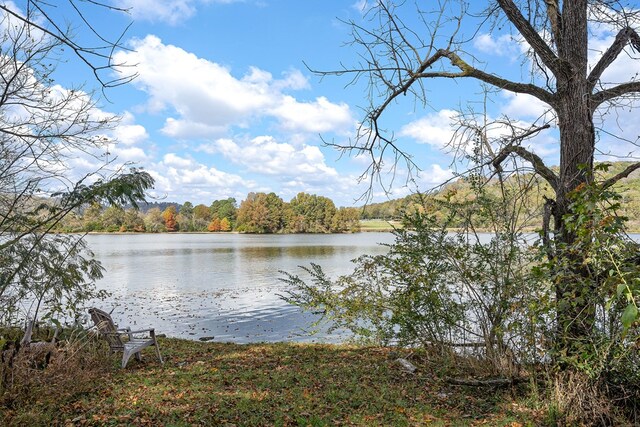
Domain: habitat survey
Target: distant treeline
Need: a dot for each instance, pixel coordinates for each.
(309, 213)
(258, 213)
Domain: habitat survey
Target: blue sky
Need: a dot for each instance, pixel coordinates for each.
(224, 105)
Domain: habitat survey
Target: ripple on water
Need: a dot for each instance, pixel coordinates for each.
(225, 286)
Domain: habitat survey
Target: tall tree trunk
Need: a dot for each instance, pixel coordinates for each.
(575, 305)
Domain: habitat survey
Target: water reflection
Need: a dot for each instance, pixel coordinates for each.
(292, 251)
(202, 285)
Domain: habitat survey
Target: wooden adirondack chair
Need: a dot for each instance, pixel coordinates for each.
(130, 345)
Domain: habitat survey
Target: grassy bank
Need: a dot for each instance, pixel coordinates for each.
(264, 385)
(378, 225)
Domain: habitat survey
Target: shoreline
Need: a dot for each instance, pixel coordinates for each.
(371, 230)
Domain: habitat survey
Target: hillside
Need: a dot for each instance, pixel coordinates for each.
(628, 188)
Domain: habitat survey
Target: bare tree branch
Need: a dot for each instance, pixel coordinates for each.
(623, 37)
(625, 173)
(540, 47)
(499, 82)
(553, 13)
(537, 162)
(614, 92)
(97, 58)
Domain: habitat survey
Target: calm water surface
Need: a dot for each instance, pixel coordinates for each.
(220, 285)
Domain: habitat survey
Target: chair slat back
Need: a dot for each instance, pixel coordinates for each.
(104, 323)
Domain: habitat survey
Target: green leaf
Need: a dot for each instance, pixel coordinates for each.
(621, 288)
(629, 315)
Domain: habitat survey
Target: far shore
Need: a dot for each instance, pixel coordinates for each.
(378, 227)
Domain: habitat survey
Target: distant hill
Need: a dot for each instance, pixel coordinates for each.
(146, 206)
(628, 188)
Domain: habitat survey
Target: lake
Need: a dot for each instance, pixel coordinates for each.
(220, 285)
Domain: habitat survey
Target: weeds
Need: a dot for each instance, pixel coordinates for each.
(38, 378)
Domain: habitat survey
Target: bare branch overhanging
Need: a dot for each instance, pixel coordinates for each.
(98, 58)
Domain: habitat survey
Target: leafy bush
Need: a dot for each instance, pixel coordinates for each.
(437, 287)
(499, 294)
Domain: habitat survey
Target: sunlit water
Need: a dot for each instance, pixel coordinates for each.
(220, 285)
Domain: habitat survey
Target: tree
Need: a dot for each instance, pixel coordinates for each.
(153, 221)
(92, 217)
(169, 217)
(399, 61)
(224, 209)
(261, 213)
(346, 219)
(185, 217)
(225, 224)
(201, 217)
(113, 218)
(42, 126)
(214, 225)
(312, 213)
(133, 221)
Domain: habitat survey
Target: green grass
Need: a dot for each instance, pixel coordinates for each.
(378, 225)
(272, 385)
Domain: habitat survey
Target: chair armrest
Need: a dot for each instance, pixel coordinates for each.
(152, 330)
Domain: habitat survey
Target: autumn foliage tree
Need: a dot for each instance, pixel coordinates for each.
(214, 225)
(310, 213)
(225, 224)
(201, 217)
(169, 217)
(261, 213)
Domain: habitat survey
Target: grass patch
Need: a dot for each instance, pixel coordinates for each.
(272, 385)
(378, 225)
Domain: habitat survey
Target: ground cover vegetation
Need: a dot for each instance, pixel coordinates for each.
(562, 308)
(252, 385)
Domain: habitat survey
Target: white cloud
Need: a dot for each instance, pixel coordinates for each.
(130, 154)
(317, 117)
(361, 5)
(293, 79)
(523, 106)
(173, 160)
(266, 156)
(427, 179)
(187, 179)
(207, 99)
(433, 129)
(503, 45)
(185, 130)
(171, 12)
(127, 132)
